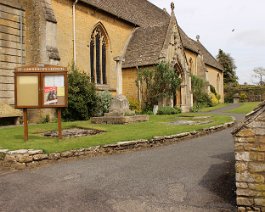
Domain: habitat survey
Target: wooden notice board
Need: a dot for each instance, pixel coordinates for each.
(41, 86)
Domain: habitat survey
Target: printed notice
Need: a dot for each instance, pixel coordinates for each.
(60, 91)
(54, 80)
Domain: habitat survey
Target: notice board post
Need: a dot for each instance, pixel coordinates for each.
(40, 87)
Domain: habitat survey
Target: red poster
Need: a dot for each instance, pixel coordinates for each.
(50, 95)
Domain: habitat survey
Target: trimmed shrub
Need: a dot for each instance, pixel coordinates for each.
(103, 101)
(168, 110)
(82, 98)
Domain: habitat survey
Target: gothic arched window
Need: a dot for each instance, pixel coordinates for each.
(98, 56)
(218, 84)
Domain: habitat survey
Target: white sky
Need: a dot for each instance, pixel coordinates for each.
(214, 21)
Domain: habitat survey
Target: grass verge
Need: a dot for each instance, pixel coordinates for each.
(244, 108)
(208, 109)
(12, 138)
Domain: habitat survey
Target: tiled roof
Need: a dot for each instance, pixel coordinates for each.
(140, 12)
(146, 43)
(145, 46)
(208, 58)
(188, 43)
(196, 46)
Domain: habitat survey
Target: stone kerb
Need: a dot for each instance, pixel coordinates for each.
(250, 165)
(21, 159)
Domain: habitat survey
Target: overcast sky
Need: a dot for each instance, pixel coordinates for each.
(236, 26)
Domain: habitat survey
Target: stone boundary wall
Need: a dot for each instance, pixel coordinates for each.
(250, 164)
(21, 159)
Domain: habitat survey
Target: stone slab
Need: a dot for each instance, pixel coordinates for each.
(119, 119)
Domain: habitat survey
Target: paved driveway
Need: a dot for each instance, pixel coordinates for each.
(194, 175)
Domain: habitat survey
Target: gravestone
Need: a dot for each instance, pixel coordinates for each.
(119, 112)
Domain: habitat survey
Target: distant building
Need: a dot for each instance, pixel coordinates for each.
(93, 33)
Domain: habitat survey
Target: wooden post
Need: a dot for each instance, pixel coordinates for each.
(60, 136)
(25, 121)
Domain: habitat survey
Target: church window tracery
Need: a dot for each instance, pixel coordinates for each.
(98, 56)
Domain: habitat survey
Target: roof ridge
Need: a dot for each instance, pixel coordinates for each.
(217, 65)
(158, 8)
(205, 49)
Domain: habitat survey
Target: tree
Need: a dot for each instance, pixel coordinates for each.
(200, 96)
(259, 73)
(166, 81)
(229, 66)
(157, 83)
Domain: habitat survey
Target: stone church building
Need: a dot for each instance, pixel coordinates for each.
(107, 39)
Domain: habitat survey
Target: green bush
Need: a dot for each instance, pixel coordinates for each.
(157, 83)
(134, 105)
(168, 110)
(148, 112)
(200, 97)
(195, 108)
(82, 98)
(103, 102)
(243, 97)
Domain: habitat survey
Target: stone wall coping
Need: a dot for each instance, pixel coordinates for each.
(23, 158)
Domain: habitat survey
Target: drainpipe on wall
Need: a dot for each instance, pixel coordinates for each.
(139, 90)
(21, 35)
(74, 32)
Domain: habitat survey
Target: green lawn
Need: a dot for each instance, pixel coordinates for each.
(12, 137)
(244, 108)
(208, 109)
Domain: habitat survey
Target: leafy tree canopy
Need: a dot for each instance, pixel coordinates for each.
(157, 83)
(228, 63)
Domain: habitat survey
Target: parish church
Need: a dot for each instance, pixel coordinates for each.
(110, 40)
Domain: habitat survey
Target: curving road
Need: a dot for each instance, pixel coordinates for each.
(195, 175)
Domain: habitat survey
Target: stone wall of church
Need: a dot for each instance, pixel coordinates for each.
(216, 81)
(130, 90)
(29, 44)
(12, 22)
(20, 38)
(87, 18)
(192, 61)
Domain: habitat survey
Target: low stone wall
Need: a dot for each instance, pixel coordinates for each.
(250, 169)
(250, 161)
(21, 159)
